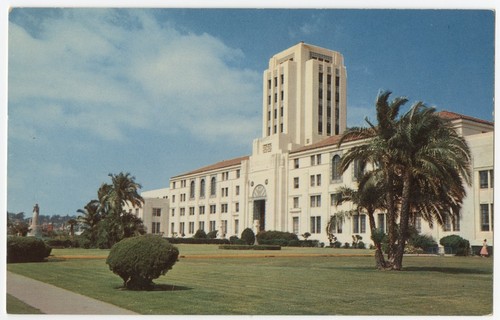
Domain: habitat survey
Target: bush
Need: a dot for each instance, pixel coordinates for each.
(422, 241)
(249, 247)
(459, 245)
(361, 245)
(200, 234)
(139, 260)
(197, 241)
(248, 236)
(336, 244)
(273, 235)
(346, 245)
(212, 234)
(26, 249)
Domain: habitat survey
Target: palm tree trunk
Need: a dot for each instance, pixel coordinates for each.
(380, 262)
(403, 222)
(391, 218)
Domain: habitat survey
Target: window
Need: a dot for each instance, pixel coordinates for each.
(483, 179)
(236, 226)
(418, 224)
(213, 208)
(313, 160)
(223, 208)
(156, 212)
(238, 173)
(224, 192)
(201, 225)
(212, 226)
(225, 176)
(183, 197)
(357, 169)
(336, 225)
(381, 222)
(181, 229)
(191, 228)
(316, 224)
(296, 202)
(155, 227)
(237, 207)
(295, 223)
(447, 223)
(315, 201)
(359, 223)
(172, 225)
(296, 163)
(296, 183)
(183, 183)
(183, 212)
(485, 217)
(173, 185)
(455, 223)
(336, 174)
(282, 79)
(212, 187)
(313, 180)
(191, 190)
(335, 198)
(173, 198)
(201, 210)
(318, 180)
(269, 83)
(202, 188)
(173, 212)
(237, 190)
(318, 159)
(191, 211)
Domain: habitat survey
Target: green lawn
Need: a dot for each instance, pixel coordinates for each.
(285, 285)
(16, 306)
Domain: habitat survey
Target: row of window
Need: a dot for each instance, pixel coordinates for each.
(213, 190)
(224, 177)
(224, 208)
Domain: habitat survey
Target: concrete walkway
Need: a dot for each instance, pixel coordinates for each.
(50, 299)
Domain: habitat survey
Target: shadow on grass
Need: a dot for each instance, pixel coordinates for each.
(446, 270)
(159, 287)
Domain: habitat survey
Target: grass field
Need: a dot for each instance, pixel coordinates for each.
(281, 284)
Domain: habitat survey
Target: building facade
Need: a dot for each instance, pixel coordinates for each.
(290, 181)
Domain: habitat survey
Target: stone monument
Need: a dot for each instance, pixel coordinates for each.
(35, 227)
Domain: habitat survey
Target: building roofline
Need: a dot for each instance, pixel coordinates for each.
(449, 115)
(215, 166)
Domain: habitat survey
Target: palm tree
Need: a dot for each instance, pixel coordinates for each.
(90, 219)
(368, 197)
(433, 160)
(113, 197)
(378, 150)
(122, 190)
(72, 223)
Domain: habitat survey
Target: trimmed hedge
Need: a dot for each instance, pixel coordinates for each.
(139, 260)
(248, 236)
(197, 241)
(26, 249)
(249, 247)
(276, 235)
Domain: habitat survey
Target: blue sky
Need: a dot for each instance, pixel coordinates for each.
(158, 92)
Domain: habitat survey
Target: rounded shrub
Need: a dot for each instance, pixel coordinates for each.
(26, 249)
(139, 260)
(200, 234)
(212, 234)
(459, 245)
(248, 236)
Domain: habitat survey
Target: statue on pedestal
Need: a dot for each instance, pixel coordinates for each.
(35, 228)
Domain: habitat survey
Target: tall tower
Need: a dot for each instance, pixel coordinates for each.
(304, 95)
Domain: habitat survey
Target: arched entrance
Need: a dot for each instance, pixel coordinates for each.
(259, 207)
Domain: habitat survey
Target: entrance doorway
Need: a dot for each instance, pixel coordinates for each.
(259, 213)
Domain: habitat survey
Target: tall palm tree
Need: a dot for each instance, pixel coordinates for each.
(113, 197)
(431, 154)
(379, 150)
(90, 219)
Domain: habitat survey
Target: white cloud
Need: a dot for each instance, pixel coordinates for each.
(105, 71)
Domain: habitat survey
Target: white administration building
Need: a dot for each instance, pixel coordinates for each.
(289, 181)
